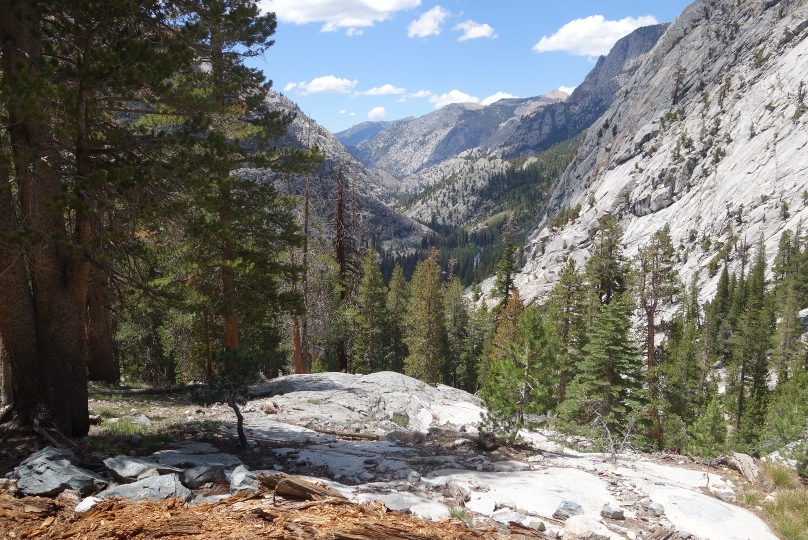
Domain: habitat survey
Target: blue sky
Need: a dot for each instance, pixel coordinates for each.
(347, 61)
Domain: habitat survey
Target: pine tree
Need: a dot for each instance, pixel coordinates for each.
(397, 301)
(789, 350)
(748, 388)
(566, 310)
(371, 322)
(425, 327)
(707, 436)
(506, 334)
(656, 283)
(477, 347)
(608, 388)
(606, 269)
(507, 266)
(455, 309)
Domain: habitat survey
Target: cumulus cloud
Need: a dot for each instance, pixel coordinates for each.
(428, 24)
(322, 85)
(386, 90)
(353, 114)
(591, 36)
(455, 96)
(377, 113)
(567, 89)
(342, 111)
(421, 94)
(496, 97)
(474, 30)
(336, 14)
(353, 31)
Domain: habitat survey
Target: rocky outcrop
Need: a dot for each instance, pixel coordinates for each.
(707, 137)
(51, 471)
(154, 488)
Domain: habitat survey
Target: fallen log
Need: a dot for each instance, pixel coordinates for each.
(294, 486)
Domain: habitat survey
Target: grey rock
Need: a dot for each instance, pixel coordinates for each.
(156, 488)
(142, 420)
(52, 471)
(242, 479)
(653, 509)
(567, 509)
(367, 476)
(202, 474)
(610, 511)
(585, 528)
(128, 469)
(537, 525)
(460, 493)
(413, 476)
(136, 439)
(726, 495)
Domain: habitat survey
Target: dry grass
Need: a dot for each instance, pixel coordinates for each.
(782, 477)
(789, 514)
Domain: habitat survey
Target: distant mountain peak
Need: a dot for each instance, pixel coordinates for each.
(557, 95)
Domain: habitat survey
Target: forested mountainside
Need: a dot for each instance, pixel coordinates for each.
(368, 188)
(708, 138)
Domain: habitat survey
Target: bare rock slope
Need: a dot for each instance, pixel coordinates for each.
(708, 137)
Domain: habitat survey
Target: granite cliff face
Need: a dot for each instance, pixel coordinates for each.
(709, 137)
(368, 187)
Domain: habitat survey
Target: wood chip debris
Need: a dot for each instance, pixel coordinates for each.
(275, 512)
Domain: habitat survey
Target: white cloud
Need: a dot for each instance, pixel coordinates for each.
(421, 94)
(496, 97)
(377, 113)
(592, 36)
(455, 96)
(429, 23)
(336, 14)
(353, 31)
(474, 30)
(567, 89)
(342, 111)
(353, 114)
(322, 85)
(386, 90)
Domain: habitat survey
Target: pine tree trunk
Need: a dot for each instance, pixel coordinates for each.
(41, 322)
(6, 394)
(101, 365)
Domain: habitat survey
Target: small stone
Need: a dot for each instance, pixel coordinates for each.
(142, 420)
(655, 509)
(413, 476)
(568, 509)
(197, 476)
(382, 468)
(86, 505)
(585, 528)
(367, 476)
(535, 459)
(610, 511)
(136, 439)
(537, 526)
(243, 479)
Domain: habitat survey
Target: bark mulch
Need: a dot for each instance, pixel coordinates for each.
(286, 507)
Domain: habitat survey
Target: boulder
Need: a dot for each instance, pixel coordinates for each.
(568, 509)
(243, 479)
(128, 469)
(610, 511)
(156, 488)
(142, 420)
(51, 471)
(202, 474)
(585, 528)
